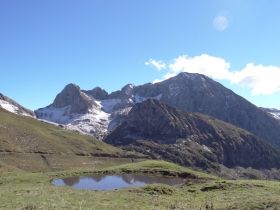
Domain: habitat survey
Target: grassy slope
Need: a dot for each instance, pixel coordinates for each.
(27, 135)
(21, 134)
(22, 190)
(31, 145)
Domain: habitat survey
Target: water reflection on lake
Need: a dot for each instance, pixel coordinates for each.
(115, 181)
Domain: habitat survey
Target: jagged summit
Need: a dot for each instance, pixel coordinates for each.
(98, 93)
(75, 110)
(12, 106)
(72, 96)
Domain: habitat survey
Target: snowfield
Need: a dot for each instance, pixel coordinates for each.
(95, 122)
(11, 108)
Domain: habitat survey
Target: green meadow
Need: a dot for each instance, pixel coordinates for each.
(34, 153)
(26, 190)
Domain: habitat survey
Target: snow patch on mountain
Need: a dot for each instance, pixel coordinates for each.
(9, 107)
(276, 115)
(99, 120)
(139, 99)
(274, 112)
(94, 122)
(129, 89)
(117, 117)
(12, 108)
(58, 115)
(108, 105)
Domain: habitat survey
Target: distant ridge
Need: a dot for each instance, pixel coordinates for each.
(95, 112)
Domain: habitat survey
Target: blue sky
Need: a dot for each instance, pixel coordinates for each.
(44, 45)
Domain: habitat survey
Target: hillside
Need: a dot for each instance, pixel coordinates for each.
(33, 145)
(27, 135)
(191, 139)
(12, 106)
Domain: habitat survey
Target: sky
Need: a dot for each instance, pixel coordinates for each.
(45, 45)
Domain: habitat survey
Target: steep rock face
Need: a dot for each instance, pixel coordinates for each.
(72, 96)
(124, 98)
(75, 110)
(12, 106)
(98, 93)
(226, 144)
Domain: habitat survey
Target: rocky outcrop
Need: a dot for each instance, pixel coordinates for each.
(200, 137)
(14, 107)
(74, 110)
(98, 93)
(72, 96)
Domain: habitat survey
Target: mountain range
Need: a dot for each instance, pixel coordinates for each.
(189, 119)
(96, 112)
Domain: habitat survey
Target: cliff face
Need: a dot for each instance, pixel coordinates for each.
(98, 93)
(199, 137)
(72, 96)
(75, 110)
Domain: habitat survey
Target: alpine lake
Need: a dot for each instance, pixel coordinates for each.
(103, 182)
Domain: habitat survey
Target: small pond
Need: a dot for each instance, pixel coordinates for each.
(114, 181)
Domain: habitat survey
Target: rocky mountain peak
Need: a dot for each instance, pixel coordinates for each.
(156, 121)
(72, 96)
(98, 93)
(126, 92)
(193, 82)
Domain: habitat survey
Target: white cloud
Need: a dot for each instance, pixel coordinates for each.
(166, 76)
(157, 80)
(158, 64)
(261, 79)
(204, 64)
